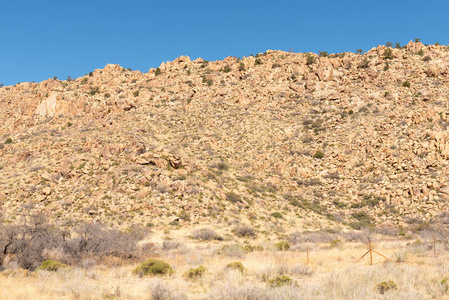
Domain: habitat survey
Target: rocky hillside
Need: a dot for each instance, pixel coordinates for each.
(279, 140)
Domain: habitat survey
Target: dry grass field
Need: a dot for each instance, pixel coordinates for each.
(332, 272)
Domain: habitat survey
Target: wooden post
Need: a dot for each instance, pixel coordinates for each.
(178, 257)
(371, 253)
(434, 246)
(307, 254)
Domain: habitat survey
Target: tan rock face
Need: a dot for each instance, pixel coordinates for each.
(349, 132)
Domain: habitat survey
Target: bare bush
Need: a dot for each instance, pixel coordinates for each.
(244, 231)
(206, 234)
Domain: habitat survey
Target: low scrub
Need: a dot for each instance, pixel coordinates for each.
(282, 246)
(385, 286)
(51, 265)
(195, 272)
(280, 281)
(153, 267)
(236, 266)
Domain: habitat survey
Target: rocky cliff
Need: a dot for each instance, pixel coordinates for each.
(277, 139)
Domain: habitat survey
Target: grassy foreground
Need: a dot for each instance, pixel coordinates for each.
(414, 273)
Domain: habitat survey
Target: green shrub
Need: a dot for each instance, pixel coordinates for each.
(51, 265)
(236, 266)
(318, 154)
(250, 248)
(8, 141)
(310, 60)
(385, 286)
(158, 71)
(323, 53)
(258, 61)
(136, 93)
(195, 273)
(282, 246)
(153, 267)
(421, 52)
(406, 84)
(280, 281)
(233, 197)
(388, 54)
(242, 67)
(336, 243)
(226, 69)
(276, 215)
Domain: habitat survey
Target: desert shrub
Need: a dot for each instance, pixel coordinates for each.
(184, 216)
(421, 52)
(236, 266)
(168, 245)
(158, 71)
(258, 61)
(400, 256)
(427, 58)
(51, 265)
(233, 197)
(310, 60)
(162, 290)
(336, 244)
(385, 286)
(388, 53)
(232, 251)
(276, 215)
(282, 246)
(363, 220)
(244, 231)
(195, 272)
(406, 84)
(153, 267)
(318, 154)
(8, 141)
(251, 248)
(242, 67)
(364, 64)
(323, 53)
(136, 93)
(206, 234)
(226, 69)
(275, 65)
(301, 270)
(280, 281)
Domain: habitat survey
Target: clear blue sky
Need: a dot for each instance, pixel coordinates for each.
(42, 39)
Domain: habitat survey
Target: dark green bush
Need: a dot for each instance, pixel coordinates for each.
(51, 265)
(195, 273)
(153, 267)
(276, 215)
(310, 60)
(406, 84)
(158, 71)
(388, 54)
(280, 281)
(136, 93)
(318, 154)
(258, 61)
(8, 141)
(236, 266)
(282, 246)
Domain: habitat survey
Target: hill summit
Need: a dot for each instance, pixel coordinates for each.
(278, 140)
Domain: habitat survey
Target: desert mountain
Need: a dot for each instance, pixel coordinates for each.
(277, 139)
